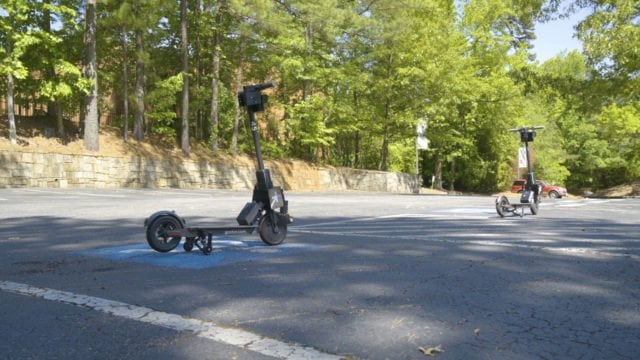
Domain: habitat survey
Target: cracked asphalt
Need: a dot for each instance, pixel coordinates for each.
(361, 276)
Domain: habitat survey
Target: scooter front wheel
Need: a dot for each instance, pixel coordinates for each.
(267, 232)
(157, 233)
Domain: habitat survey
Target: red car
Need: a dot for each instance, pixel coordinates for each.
(552, 191)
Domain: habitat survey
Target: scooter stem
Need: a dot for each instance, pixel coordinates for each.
(256, 138)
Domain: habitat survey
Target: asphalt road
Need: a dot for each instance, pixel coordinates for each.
(360, 276)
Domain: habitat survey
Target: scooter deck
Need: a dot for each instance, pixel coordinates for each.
(206, 231)
(517, 205)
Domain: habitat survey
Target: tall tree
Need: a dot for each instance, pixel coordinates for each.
(117, 21)
(239, 77)
(121, 19)
(308, 33)
(52, 75)
(61, 83)
(184, 142)
(10, 106)
(15, 38)
(610, 34)
(138, 124)
(125, 82)
(214, 114)
(91, 123)
(141, 58)
(50, 71)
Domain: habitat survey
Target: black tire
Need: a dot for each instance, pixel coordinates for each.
(156, 233)
(502, 204)
(553, 194)
(266, 232)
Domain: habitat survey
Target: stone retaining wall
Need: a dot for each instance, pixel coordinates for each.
(32, 169)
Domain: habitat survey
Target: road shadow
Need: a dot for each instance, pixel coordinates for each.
(372, 288)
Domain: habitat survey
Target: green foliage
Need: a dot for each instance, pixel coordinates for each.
(16, 36)
(608, 33)
(402, 156)
(163, 114)
(307, 119)
(67, 82)
(355, 77)
(621, 125)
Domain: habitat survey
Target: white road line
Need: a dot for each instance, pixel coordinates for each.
(205, 329)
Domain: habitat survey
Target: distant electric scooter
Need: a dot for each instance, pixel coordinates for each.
(531, 195)
(267, 212)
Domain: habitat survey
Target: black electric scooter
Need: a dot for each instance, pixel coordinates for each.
(531, 195)
(267, 212)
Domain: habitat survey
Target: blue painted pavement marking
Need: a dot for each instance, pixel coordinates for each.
(225, 251)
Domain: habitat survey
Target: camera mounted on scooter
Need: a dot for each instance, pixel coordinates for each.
(527, 133)
(527, 136)
(252, 97)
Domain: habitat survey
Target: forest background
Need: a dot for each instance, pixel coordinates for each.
(355, 79)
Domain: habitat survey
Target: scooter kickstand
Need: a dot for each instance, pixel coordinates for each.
(209, 247)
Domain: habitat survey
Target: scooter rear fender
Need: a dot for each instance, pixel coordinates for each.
(157, 214)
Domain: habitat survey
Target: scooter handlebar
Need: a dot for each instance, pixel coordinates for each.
(526, 128)
(260, 87)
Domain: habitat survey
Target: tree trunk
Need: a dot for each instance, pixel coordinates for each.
(453, 174)
(308, 84)
(238, 117)
(356, 159)
(185, 78)
(125, 75)
(138, 126)
(384, 161)
(60, 120)
(356, 145)
(91, 141)
(10, 109)
(49, 70)
(199, 130)
(214, 116)
(437, 178)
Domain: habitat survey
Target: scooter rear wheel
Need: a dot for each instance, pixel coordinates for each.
(267, 233)
(502, 206)
(157, 233)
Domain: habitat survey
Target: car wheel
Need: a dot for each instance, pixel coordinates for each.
(553, 194)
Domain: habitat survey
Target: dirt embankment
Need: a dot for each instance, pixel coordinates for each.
(625, 190)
